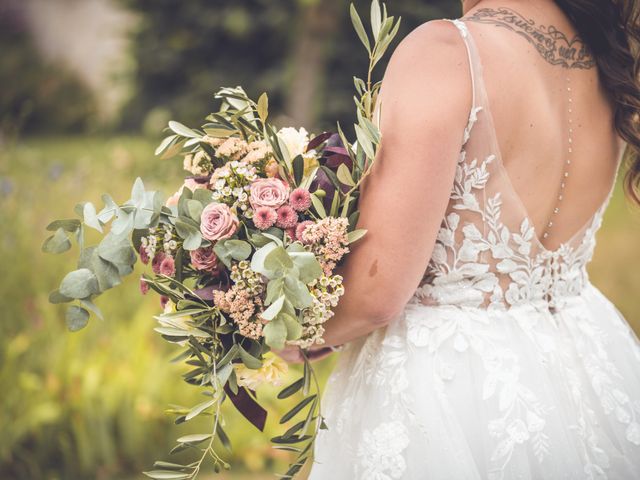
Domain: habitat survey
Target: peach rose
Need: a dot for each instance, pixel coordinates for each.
(268, 192)
(218, 222)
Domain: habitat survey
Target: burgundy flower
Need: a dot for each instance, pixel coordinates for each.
(204, 259)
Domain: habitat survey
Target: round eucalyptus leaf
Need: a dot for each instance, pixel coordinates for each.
(76, 318)
(80, 283)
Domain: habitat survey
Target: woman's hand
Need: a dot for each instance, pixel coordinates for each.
(293, 354)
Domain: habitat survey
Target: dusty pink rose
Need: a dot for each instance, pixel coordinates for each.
(300, 199)
(144, 256)
(264, 217)
(204, 259)
(301, 227)
(144, 286)
(168, 266)
(218, 221)
(287, 217)
(268, 192)
(157, 261)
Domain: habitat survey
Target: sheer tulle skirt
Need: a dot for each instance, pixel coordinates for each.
(466, 393)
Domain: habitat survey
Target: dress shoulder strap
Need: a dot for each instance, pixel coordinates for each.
(480, 98)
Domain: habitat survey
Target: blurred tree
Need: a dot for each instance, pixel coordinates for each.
(36, 96)
(302, 52)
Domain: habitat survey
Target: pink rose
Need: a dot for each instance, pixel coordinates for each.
(204, 259)
(218, 221)
(268, 192)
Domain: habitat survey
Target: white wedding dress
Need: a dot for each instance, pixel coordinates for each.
(506, 364)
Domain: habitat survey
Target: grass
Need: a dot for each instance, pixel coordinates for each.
(90, 405)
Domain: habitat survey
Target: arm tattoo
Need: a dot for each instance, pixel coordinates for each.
(551, 43)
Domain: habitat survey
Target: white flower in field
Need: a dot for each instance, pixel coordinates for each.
(295, 140)
(273, 371)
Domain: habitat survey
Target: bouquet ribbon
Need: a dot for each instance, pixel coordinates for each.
(248, 407)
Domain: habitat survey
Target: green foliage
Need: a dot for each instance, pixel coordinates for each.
(184, 50)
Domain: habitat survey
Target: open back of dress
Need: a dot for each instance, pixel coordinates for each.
(507, 363)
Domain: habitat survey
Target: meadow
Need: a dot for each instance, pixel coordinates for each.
(93, 404)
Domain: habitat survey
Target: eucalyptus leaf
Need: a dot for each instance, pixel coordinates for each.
(194, 208)
(275, 334)
(80, 283)
(278, 259)
(274, 309)
(76, 318)
(89, 305)
(56, 297)
(57, 243)
(90, 217)
(249, 360)
(70, 225)
(294, 329)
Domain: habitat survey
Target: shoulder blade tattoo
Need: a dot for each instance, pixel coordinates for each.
(551, 43)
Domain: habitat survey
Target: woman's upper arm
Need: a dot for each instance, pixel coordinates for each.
(425, 100)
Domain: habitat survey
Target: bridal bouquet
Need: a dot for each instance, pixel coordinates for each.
(243, 255)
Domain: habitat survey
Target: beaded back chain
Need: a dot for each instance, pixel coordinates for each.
(565, 173)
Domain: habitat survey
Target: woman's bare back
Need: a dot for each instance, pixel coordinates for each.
(550, 112)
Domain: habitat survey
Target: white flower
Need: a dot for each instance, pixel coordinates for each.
(295, 140)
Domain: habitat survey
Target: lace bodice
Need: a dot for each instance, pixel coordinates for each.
(487, 252)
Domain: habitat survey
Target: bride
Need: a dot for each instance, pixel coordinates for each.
(474, 344)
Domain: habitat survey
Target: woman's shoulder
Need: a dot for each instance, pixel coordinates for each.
(431, 65)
